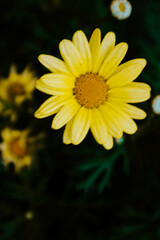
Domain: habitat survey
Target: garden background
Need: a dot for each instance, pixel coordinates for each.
(81, 192)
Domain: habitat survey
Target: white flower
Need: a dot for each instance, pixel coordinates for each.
(121, 9)
(156, 104)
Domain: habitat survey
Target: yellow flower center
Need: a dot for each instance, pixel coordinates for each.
(15, 89)
(90, 90)
(17, 149)
(122, 7)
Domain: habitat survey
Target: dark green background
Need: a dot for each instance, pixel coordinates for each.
(81, 192)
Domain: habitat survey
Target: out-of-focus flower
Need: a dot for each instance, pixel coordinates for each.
(29, 215)
(1, 106)
(6, 110)
(14, 90)
(156, 104)
(17, 87)
(121, 9)
(91, 91)
(17, 148)
(119, 140)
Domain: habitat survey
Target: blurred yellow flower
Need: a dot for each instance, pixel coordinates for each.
(91, 91)
(17, 87)
(16, 148)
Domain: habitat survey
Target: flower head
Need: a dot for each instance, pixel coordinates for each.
(16, 148)
(17, 87)
(91, 91)
(121, 9)
(156, 105)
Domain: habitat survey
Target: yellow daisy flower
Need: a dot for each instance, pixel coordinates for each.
(17, 87)
(16, 148)
(91, 91)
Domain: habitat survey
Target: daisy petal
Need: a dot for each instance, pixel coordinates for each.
(81, 124)
(109, 143)
(6, 134)
(53, 64)
(111, 121)
(58, 80)
(13, 70)
(132, 111)
(67, 132)
(40, 85)
(131, 93)
(98, 127)
(125, 122)
(126, 73)
(106, 45)
(94, 43)
(113, 59)
(81, 42)
(71, 56)
(140, 61)
(140, 85)
(51, 106)
(66, 113)
(128, 125)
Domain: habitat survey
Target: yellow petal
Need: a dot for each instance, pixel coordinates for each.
(113, 59)
(27, 73)
(109, 143)
(126, 73)
(19, 99)
(131, 93)
(106, 45)
(125, 122)
(40, 85)
(13, 70)
(25, 161)
(51, 106)
(58, 80)
(111, 122)
(66, 113)
(15, 77)
(71, 56)
(132, 111)
(53, 64)
(139, 85)
(140, 61)
(81, 42)
(81, 124)
(67, 132)
(94, 43)
(6, 134)
(98, 127)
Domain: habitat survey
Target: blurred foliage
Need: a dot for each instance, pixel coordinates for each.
(81, 192)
